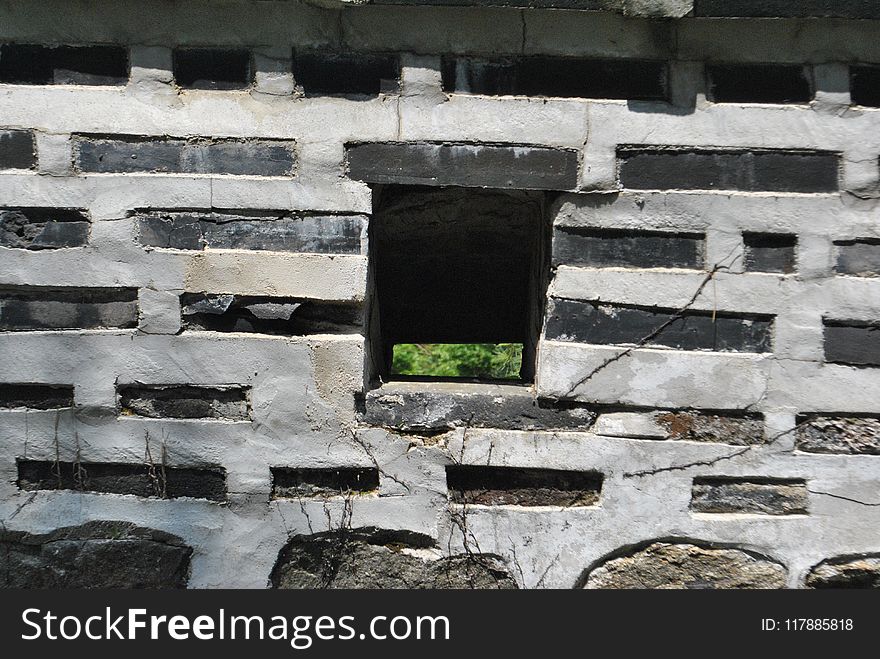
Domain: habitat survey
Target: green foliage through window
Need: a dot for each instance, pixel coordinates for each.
(495, 361)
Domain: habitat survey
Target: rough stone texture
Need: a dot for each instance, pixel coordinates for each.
(763, 497)
(472, 165)
(856, 343)
(697, 426)
(596, 323)
(667, 565)
(561, 77)
(514, 486)
(770, 253)
(43, 228)
(282, 232)
(437, 406)
(268, 315)
(758, 83)
(838, 434)
(185, 402)
(610, 248)
(34, 308)
(846, 572)
(374, 558)
(35, 64)
(194, 155)
(17, 149)
(94, 555)
(143, 480)
(367, 74)
(36, 396)
(681, 168)
(295, 483)
(858, 257)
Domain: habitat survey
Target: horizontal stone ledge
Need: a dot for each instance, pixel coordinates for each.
(612, 324)
(279, 231)
(746, 170)
(144, 480)
(17, 149)
(43, 308)
(43, 228)
(756, 496)
(122, 154)
(466, 165)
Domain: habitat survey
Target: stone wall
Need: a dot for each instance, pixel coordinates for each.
(193, 367)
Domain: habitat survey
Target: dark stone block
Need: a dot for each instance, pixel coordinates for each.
(36, 396)
(35, 308)
(787, 8)
(373, 558)
(749, 496)
(844, 434)
(561, 77)
(268, 315)
(467, 165)
(43, 228)
(770, 252)
(94, 555)
(30, 64)
(856, 343)
(423, 407)
(355, 74)
(861, 571)
(516, 486)
(612, 248)
(609, 324)
(290, 482)
(720, 428)
(758, 83)
(212, 68)
(865, 85)
(683, 168)
(196, 155)
(858, 257)
(282, 232)
(144, 480)
(17, 149)
(185, 402)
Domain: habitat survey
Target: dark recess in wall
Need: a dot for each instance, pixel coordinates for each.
(770, 252)
(346, 74)
(212, 68)
(522, 486)
(563, 77)
(289, 482)
(758, 83)
(865, 85)
(36, 396)
(29, 64)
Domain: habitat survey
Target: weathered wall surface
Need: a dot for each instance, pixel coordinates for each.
(185, 300)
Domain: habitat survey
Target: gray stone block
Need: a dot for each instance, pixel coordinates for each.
(856, 343)
(611, 248)
(43, 228)
(734, 495)
(33, 308)
(282, 232)
(144, 480)
(852, 435)
(684, 168)
(17, 149)
(468, 165)
(712, 427)
(608, 324)
(846, 572)
(94, 555)
(195, 155)
(425, 407)
(858, 257)
(770, 252)
(185, 402)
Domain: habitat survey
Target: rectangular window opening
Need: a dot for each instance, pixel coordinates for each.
(457, 283)
(212, 68)
(34, 64)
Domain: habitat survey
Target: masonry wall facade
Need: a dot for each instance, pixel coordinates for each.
(191, 358)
